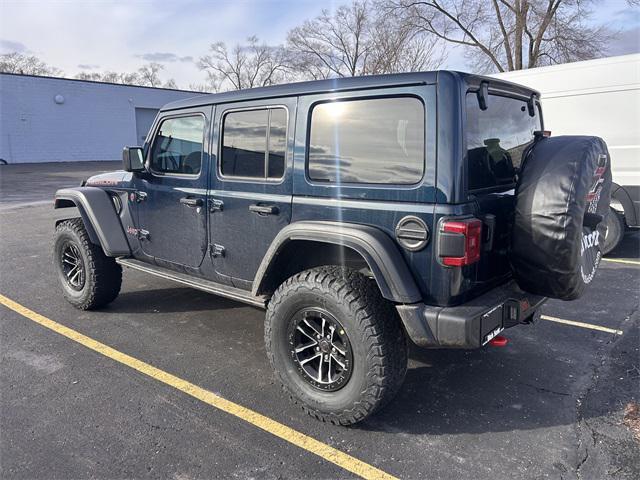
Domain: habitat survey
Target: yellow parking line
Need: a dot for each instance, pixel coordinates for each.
(273, 427)
(619, 260)
(581, 324)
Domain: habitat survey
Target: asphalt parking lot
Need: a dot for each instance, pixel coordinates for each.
(556, 402)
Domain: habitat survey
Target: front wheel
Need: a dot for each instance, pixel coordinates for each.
(88, 277)
(336, 344)
(614, 223)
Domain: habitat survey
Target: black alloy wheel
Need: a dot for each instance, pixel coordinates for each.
(320, 349)
(73, 266)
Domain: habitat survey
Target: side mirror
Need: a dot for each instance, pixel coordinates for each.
(133, 159)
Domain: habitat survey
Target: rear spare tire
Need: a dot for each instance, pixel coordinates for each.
(562, 198)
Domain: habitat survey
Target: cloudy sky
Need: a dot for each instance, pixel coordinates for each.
(121, 35)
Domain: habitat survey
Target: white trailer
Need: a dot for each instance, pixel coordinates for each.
(602, 98)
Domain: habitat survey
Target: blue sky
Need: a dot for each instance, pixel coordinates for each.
(121, 35)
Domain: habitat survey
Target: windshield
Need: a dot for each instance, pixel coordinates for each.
(496, 138)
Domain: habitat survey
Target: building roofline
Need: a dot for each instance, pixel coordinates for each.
(100, 82)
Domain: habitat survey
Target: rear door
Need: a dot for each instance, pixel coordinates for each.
(251, 184)
(172, 194)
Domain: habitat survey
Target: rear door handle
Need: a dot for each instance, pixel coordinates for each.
(192, 202)
(264, 209)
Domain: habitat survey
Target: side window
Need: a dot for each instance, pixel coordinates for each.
(254, 143)
(379, 141)
(177, 147)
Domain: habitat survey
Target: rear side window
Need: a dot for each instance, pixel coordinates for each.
(496, 138)
(177, 147)
(375, 141)
(254, 143)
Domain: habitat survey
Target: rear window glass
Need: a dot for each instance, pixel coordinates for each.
(496, 138)
(254, 144)
(367, 141)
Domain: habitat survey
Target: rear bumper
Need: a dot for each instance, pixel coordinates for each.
(472, 324)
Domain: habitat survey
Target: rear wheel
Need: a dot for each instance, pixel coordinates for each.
(336, 344)
(88, 277)
(614, 224)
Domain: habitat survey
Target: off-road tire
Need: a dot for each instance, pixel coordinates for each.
(615, 231)
(375, 334)
(103, 276)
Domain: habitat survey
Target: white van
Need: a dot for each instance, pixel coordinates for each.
(597, 97)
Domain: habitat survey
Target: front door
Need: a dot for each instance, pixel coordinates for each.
(251, 185)
(172, 195)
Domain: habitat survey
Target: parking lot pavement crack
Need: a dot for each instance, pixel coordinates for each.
(593, 416)
(545, 390)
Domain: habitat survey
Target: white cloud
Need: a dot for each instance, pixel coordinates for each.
(121, 35)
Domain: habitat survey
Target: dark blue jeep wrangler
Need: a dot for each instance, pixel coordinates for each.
(360, 212)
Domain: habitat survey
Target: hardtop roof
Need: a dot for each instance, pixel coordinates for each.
(335, 85)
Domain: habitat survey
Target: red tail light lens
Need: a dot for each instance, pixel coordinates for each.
(469, 245)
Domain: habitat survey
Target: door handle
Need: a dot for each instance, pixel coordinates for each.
(264, 209)
(192, 202)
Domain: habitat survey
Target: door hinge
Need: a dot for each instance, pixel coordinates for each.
(143, 234)
(215, 205)
(138, 196)
(216, 250)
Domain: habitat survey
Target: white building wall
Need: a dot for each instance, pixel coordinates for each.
(595, 97)
(93, 122)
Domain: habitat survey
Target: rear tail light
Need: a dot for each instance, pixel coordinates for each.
(460, 241)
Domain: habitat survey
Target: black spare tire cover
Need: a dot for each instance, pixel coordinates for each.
(562, 196)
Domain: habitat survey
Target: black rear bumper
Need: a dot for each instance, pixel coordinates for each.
(472, 324)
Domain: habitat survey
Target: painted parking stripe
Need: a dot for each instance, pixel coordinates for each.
(620, 260)
(573, 323)
(273, 427)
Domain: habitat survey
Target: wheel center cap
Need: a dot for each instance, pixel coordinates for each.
(325, 346)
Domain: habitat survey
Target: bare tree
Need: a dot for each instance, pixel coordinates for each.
(244, 66)
(171, 83)
(15, 62)
(509, 34)
(91, 76)
(124, 78)
(211, 85)
(360, 39)
(333, 45)
(149, 75)
(397, 47)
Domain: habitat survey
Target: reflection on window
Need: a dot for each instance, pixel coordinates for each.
(367, 141)
(254, 143)
(177, 147)
(496, 139)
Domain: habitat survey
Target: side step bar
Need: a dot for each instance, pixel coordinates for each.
(194, 282)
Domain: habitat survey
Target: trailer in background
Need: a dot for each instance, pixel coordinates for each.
(597, 97)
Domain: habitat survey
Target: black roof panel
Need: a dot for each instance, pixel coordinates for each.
(342, 84)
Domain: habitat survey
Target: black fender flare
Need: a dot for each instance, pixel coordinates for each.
(99, 216)
(379, 251)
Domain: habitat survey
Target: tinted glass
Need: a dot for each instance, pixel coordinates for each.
(244, 143)
(496, 138)
(367, 141)
(277, 142)
(177, 147)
